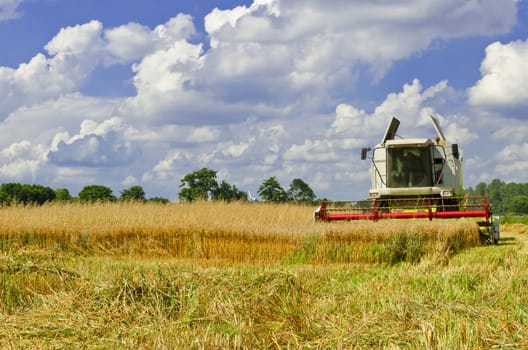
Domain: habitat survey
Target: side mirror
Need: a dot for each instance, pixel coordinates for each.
(454, 149)
(364, 151)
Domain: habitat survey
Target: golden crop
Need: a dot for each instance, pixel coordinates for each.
(239, 232)
(250, 275)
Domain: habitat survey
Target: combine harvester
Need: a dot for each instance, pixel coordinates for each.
(414, 178)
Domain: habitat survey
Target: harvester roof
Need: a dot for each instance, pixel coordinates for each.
(408, 142)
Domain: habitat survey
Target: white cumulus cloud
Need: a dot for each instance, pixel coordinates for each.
(270, 94)
(96, 145)
(512, 162)
(504, 74)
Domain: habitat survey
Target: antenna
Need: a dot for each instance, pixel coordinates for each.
(437, 128)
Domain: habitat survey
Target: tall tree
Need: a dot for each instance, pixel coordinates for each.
(4, 198)
(12, 191)
(94, 193)
(228, 193)
(62, 194)
(26, 193)
(37, 194)
(300, 192)
(271, 190)
(134, 193)
(481, 189)
(518, 205)
(200, 184)
(495, 194)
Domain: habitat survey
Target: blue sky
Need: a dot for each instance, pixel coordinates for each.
(126, 93)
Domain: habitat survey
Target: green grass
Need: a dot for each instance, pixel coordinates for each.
(59, 299)
(514, 219)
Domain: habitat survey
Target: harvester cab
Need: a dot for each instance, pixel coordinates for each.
(414, 167)
(414, 178)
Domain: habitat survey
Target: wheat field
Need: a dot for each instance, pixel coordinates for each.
(253, 276)
(238, 232)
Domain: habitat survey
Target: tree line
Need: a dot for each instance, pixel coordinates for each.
(36, 194)
(202, 184)
(504, 197)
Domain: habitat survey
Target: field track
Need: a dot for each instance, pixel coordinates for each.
(517, 233)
